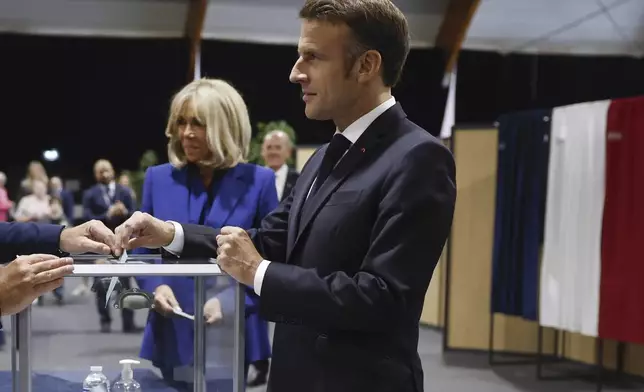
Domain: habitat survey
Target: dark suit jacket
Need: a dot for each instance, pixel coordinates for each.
(95, 206)
(28, 238)
(351, 265)
(291, 179)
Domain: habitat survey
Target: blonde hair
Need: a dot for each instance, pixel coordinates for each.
(223, 112)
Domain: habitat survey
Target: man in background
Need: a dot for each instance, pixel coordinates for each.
(112, 204)
(276, 151)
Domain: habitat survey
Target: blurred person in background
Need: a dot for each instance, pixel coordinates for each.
(111, 204)
(276, 151)
(65, 197)
(124, 181)
(206, 182)
(35, 172)
(5, 204)
(34, 207)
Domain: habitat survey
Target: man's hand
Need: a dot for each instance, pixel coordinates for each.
(143, 230)
(237, 256)
(28, 277)
(92, 236)
(212, 311)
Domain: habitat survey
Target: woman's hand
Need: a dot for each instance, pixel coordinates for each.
(212, 311)
(164, 300)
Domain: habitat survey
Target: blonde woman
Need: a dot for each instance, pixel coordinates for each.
(35, 172)
(207, 182)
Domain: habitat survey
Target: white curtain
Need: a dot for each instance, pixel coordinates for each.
(571, 264)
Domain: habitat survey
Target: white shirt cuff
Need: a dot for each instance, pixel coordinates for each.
(176, 246)
(259, 276)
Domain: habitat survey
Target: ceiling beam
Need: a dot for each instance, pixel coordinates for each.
(453, 29)
(193, 29)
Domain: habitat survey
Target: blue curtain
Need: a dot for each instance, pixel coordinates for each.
(522, 173)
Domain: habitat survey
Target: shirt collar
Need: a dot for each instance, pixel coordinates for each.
(357, 128)
(282, 171)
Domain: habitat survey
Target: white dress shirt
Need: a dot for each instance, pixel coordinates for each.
(280, 180)
(352, 132)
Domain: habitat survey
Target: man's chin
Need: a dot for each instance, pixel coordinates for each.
(313, 114)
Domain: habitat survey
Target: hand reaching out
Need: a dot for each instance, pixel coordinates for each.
(28, 277)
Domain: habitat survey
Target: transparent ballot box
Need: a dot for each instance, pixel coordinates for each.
(58, 338)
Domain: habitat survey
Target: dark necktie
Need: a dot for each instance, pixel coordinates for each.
(336, 149)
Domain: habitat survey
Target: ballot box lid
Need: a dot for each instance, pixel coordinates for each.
(143, 265)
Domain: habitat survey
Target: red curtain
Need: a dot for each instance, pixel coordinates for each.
(621, 309)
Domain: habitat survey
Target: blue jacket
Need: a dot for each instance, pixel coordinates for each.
(246, 194)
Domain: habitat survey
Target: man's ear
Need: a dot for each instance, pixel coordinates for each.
(369, 65)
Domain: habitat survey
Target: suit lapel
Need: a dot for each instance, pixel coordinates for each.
(306, 178)
(365, 146)
(345, 167)
(231, 189)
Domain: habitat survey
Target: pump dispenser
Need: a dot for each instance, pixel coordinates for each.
(127, 383)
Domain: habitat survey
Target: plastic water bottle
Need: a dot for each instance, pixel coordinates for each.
(96, 381)
(127, 383)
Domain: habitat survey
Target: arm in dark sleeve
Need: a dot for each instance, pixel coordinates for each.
(270, 239)
(267, 202)
(412, 225)
(27, 238)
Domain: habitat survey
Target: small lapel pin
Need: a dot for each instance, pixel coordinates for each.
(362, 149)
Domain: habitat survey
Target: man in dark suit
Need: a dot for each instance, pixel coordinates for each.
(343, 264)
(28, 277)
(112, 204)
(276, 151)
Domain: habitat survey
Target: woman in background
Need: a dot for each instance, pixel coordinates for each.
(35, 207)
(35, 172)
(5, 204)
(207, 183)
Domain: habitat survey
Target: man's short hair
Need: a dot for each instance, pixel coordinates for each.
(375, 24)
(281, 134)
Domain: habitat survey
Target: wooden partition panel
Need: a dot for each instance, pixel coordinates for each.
(433, 309)
(302, 155)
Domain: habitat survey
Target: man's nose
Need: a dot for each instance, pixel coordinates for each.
(296, 75)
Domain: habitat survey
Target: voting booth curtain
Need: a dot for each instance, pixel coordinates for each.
(569, 223)
(520, 202)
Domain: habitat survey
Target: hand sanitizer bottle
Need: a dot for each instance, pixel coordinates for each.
(127, 382)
